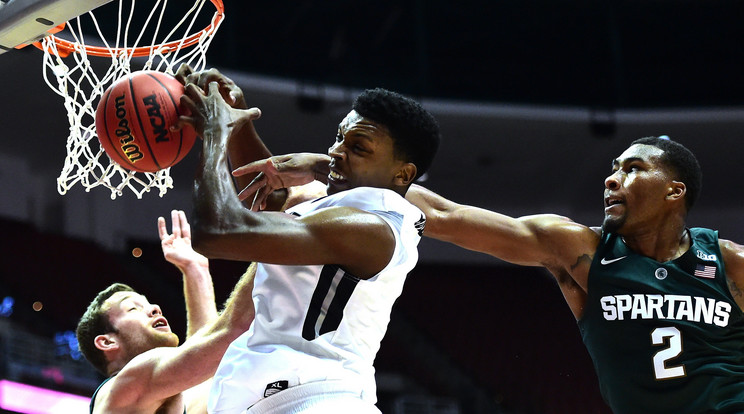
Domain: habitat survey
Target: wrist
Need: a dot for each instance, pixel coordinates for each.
(195, 267)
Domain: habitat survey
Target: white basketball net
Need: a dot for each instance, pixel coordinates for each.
(75, 79)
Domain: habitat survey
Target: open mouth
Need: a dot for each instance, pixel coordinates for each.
(160, 323)
(611, 201)
(335, 176)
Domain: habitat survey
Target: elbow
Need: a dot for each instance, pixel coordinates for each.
(211, 224)
(202, 242)
(226, 240)
(205, 240)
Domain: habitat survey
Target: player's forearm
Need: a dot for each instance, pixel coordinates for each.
(476, 229)
(246, 146)
(177, 369)
(216, 204)
(167, 371)
(239, 310)
(238, 313)
(198, 291)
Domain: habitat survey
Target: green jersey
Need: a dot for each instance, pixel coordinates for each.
(664, 337)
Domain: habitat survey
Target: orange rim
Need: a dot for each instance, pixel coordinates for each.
(65, 47)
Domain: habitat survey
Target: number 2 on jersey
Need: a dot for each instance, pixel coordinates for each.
(671, 337)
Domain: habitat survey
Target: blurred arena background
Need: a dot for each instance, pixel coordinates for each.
(535, 98)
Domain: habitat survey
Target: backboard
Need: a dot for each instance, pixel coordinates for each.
(144, 35)
(25, 21)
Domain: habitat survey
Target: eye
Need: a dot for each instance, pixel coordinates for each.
(339, 137)
(133, 307)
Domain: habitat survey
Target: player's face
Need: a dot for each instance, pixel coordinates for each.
(362, 156)
(140, 325)
(636, 190)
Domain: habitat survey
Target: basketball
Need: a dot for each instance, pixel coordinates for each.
(133, 120)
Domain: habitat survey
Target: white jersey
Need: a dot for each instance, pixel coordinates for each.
(316, 323)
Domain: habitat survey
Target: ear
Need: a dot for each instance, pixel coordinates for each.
(406, 174)
(107, 342)
(677, 190)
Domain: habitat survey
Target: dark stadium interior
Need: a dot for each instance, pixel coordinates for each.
(492, 337)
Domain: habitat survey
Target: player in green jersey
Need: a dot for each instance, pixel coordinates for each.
(659, 305)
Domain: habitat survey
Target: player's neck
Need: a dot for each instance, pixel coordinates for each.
(660, 245)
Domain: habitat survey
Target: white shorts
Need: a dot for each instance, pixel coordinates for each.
(322, 397)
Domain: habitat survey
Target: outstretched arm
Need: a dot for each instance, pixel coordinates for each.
(198, 290)
(565, 248)
(540, 240)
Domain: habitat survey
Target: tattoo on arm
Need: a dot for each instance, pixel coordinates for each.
(584, 258)
(734, 289)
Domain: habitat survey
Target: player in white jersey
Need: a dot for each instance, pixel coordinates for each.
(331, 270)
(335, 318)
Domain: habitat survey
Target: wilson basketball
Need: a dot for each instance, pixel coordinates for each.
(133, 120)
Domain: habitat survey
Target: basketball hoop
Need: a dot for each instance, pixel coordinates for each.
(81, 82)
(65, 47)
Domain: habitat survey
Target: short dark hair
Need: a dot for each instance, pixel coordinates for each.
(682, 163)
(94, 322)
(414, 130)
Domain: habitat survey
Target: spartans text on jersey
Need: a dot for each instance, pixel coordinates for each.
(679, 307)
